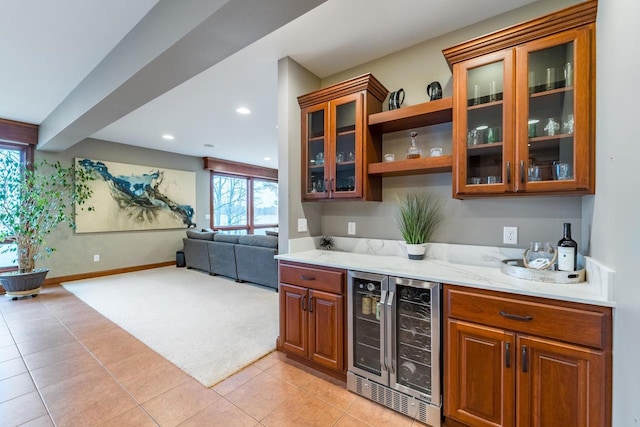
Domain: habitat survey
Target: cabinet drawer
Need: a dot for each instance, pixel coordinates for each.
(570, 322)
(313, 277)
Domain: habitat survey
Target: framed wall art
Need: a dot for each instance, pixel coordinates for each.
(131, 197)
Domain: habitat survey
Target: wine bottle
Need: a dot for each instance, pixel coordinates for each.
(567, 251)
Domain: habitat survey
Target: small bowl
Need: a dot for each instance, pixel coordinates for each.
(389, 157)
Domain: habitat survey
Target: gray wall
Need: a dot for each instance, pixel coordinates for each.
(475, 222)
(612, 214)
(74, 251)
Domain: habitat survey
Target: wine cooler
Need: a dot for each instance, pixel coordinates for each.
(394, 344)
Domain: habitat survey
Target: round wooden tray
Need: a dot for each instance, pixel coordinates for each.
(516, 268)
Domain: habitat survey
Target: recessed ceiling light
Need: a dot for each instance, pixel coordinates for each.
(243, 110)
(169, 137)
(267, 158)
(210, 145)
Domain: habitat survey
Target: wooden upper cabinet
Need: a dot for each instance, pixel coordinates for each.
(337, 145)
(524, 107)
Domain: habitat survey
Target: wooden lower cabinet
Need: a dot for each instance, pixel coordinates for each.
(498, 373)
(312, 316)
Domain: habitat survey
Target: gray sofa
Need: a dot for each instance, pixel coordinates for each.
(244, 258)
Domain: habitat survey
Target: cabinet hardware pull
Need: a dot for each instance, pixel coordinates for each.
(508, 172)
(303, 277)
(310, 306)
(327, 189)
(516, 316)
(333, 185)
(507, 349)
(522, 171)
(524, 359)
(303, 306)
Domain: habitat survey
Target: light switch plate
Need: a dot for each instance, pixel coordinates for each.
(302, 225)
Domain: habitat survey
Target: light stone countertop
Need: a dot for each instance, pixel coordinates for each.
(473, 266)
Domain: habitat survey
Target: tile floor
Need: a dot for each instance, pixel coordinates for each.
(64, 364)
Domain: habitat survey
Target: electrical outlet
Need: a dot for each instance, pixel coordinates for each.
(96, 258)
(351, 228)
(302, 225)
(510, 235)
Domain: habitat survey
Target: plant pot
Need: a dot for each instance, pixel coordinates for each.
(416, 251)
(23, 284)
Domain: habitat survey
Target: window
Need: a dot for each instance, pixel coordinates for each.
(244, 205)
(23, 152)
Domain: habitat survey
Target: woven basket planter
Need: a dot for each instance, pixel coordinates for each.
(23, 284)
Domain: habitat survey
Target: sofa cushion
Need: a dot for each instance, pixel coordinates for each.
(225, 238)
(200, 235)
(257, 240)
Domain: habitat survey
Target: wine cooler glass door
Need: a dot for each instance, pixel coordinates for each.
(416, 341)
(367, 296)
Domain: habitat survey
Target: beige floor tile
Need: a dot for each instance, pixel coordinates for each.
(105, 339)
(88, 399)
(16, 386)
(261, 395)
(323, 389)
(12, 368)
(132, 366)
(45, 343)
(227, 386)
(268, 361)
(88, 329)
(377, 415)
(6, 340)
(348, 421)
(115, 347)
(43, 421)
(66, 369)
(22, 409)
(38, 332)
(9, 352)
(153, 382)
(135, 417)
(303, 410)
(180, 403)
(54, 355)
(221, 413)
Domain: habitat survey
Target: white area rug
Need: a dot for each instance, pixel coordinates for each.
(208, 326)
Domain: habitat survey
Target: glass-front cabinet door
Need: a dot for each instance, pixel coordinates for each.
(553, 137)
(483, 120)
(346, 127)
(316, 134)
(332, 161)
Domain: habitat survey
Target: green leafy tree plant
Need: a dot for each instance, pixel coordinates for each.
(419, 214)
(34, 200)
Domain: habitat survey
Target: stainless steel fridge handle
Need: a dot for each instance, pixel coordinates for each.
(383, 297)
(390, 330)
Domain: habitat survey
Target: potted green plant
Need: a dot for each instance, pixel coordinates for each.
(419, 214)
(34, 200)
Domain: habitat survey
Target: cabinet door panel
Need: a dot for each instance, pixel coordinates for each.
(479, 375)
(483, 124)
(559, 384)
(315, 137)
(326, 331)
(293, 319)
(553, 122)
(345, 150)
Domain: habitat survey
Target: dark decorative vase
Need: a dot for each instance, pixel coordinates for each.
(23, 284)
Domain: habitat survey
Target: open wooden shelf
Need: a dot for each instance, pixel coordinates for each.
(415, 116)
(423, 165)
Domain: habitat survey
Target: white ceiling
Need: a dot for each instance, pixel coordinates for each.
(48, 48)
